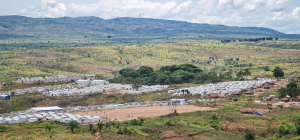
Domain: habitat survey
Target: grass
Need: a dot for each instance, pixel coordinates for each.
(103, 60)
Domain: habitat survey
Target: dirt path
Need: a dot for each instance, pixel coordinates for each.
(136, 112)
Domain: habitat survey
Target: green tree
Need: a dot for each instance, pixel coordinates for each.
(277, 72)
(270, 108)
(136, 83)
(115, 73)
(94, 130)
(267, 68)
(249, 136)
(246, 72)
(73, 125)
(240, 74)
(100, 126)
(49, 127)
(91, 126)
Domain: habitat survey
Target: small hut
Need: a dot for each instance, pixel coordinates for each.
(236, 93)
(290, 79)
(266, 86)
(272, 83)
(247, 111)
(285, 100)
(213, 95)
(295, 99)
(249, 92)
(269, 99)
(247, 89)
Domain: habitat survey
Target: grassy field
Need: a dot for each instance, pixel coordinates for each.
(103, 60)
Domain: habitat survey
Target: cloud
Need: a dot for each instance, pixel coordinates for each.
(276, 14)
(296, 13)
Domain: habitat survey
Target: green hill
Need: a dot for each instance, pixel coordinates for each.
(94, 27)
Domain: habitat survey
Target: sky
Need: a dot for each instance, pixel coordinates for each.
(281, 15)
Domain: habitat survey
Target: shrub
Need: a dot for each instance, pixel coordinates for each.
(283, 129)
(235, 99)
(120, 131)
(125, 122)
(214, 117)
(249, 136)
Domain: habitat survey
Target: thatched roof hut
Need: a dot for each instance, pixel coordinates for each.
(266, 86)
(247, 89)
(285, 100)
(249, 92)
(269, 99)
(236, 93)
(247, 111)
(295, 99)
(213, 95)
(272, 83)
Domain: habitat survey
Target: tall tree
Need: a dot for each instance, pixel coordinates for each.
(246, 72)
(100, 126)
(136, 83)
(278, 72)
(72, 125)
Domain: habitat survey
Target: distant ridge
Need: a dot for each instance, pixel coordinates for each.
(94, 27)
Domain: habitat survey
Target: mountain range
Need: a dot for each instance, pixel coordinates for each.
(95, 27)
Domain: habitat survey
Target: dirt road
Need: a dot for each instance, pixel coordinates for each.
(153, 111)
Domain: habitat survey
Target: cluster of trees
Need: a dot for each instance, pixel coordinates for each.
(166, 75)
(250, 39)
(258, 39)
(292, 90)
(242, 73)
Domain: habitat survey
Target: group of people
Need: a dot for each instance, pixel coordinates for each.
(129, 116)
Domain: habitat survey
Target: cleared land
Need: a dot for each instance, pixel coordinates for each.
(146, 112)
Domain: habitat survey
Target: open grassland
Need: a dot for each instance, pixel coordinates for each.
(103, 60)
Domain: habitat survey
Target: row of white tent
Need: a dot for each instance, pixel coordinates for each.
(70, 89)
(115, 106)
(221, 88)
(58, 78)
(33, 117)
(104, 88)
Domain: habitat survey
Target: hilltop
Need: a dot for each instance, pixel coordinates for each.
(94, 27)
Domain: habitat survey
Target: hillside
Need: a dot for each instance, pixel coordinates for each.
(104, 60)
(94, 27)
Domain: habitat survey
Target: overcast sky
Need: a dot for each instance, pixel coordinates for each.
(281, 15)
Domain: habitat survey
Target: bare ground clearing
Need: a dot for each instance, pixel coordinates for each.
(136, 112)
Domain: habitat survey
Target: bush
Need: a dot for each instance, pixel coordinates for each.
(125, 122)
(235, 99)
(283, 129)
(249, 136)
(120, 131)
(136, 122)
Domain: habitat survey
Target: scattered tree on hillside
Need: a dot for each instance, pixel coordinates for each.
(115, 73)
(249, 136)
(72, 125)
(277, 72)
(91, 126)
(100, 126)
(136, 83)
(48, 127)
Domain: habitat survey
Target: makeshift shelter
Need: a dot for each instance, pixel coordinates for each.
(295, 99)
(269, 99)
(236, 93)
(247, 111)
(249, 92)
(266, 86)
(284, 99)
(213, 95)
